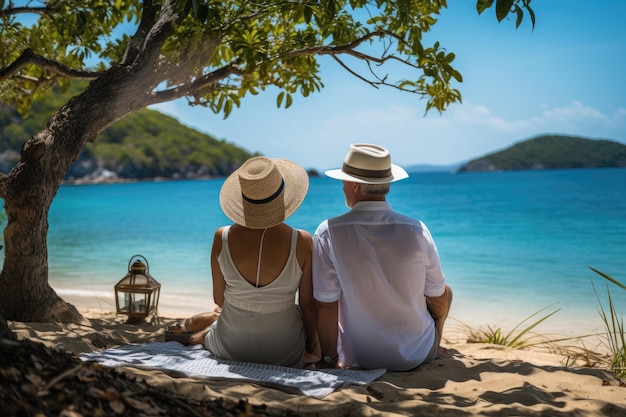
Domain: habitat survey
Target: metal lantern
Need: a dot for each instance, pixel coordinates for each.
(137, 294)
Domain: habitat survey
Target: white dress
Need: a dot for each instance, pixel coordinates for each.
(259, 324)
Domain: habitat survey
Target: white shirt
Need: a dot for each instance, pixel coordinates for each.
(379, 265)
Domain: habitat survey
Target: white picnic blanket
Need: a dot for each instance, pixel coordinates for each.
(197, 362)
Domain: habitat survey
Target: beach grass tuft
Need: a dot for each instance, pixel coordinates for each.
(614, 325)
(519, 337)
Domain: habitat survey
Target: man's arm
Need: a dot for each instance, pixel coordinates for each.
(438, 307)
(328, 331)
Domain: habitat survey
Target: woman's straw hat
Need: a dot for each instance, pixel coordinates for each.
(369, 164)
(263, 192)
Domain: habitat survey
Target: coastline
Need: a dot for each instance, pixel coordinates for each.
(465, 322)
(105, 179)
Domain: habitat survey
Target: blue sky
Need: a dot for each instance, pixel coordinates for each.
(566, 76)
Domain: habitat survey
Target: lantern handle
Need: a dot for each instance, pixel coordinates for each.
(142, 257)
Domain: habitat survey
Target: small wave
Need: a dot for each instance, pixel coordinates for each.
(75, 292)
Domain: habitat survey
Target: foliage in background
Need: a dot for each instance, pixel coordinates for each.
(145, 144)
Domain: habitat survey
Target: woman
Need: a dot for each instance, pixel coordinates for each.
(259, 264)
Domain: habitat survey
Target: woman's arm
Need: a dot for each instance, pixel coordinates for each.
(328, 331)
(219, 285)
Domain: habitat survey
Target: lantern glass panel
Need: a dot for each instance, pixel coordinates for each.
(134, 303)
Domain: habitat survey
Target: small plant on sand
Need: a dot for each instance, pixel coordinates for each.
(519, 337)
(614, 324)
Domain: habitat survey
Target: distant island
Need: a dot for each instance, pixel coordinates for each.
(146, 145)
(552, 152)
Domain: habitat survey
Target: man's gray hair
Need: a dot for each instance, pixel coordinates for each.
(373, 190)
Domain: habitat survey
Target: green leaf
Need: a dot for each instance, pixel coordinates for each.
(531, 13)
(482, 5)
(457, 75)
(331, 7)
(503, 8)
(81, 20)
(308, 13)
(520, 16)
(228, 108)
(201, 13)
(279, 99)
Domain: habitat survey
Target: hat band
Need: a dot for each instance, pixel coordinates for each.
(268, 199)
(359, 172)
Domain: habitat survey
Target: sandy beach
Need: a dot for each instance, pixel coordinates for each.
(472, 379)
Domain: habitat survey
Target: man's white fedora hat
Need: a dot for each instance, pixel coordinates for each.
(368, 164)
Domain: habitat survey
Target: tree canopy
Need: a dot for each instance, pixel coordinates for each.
(216, 52)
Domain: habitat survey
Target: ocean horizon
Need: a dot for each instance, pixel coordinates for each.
(511, 243)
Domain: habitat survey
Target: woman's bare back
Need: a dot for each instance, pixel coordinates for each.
(244, 245)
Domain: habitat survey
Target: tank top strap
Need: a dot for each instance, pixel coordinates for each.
(294, 240)
(225, 237)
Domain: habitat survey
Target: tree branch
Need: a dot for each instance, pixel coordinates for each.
(12, 11)
(349, 49)
(379, 80)
(345, 49)
(148, 17)
(354, 73)
(198, 84)
(29, 57)
(159, 31)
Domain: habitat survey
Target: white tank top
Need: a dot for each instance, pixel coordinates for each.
(259, 324)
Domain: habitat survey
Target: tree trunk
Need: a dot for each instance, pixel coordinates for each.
(24, 275)
(28, 191)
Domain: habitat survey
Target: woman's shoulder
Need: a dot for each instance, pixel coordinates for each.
(220, 230)
(303, 234)
(305, 241)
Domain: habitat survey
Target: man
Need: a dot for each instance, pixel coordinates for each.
(381, 294)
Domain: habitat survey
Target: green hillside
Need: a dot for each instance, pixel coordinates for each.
(552, 152)
(144, 145)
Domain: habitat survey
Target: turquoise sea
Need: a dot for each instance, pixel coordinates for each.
(511, 243)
